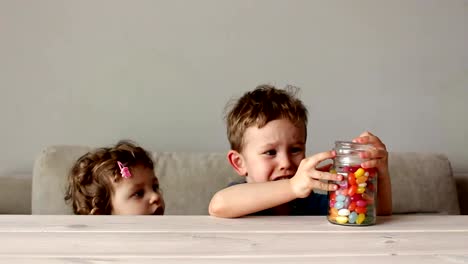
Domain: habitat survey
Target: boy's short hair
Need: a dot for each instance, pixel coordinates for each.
(90, 179)
(260, 106)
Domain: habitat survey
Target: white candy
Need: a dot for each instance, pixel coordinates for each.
(343, 212)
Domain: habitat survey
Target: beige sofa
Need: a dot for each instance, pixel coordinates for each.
(421, 183)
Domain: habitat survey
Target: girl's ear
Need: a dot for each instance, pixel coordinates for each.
(237, 162)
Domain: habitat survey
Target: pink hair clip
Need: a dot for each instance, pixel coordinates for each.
(124, 170)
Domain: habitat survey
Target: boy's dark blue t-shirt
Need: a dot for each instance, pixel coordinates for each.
(314, 204)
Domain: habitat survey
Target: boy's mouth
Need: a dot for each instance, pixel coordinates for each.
(283, 178)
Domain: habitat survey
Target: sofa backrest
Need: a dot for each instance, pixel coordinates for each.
(188, 180)
(421, 183)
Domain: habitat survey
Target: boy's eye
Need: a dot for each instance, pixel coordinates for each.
(271, 152)
(296, 150)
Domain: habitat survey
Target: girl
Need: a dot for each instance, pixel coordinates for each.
(119, 180)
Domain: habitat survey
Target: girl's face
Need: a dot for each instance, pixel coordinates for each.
(138, 194)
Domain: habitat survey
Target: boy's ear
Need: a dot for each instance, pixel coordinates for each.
(237, 162)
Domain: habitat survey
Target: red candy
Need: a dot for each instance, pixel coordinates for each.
(356, 197)
(361, 203)
(351, 168)
(360, 210)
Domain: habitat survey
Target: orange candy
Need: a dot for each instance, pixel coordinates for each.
(361, 179)
(351, 179)
(352, 190)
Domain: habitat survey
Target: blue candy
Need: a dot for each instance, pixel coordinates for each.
(352, 217)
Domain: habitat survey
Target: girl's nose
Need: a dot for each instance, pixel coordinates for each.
(155, 197)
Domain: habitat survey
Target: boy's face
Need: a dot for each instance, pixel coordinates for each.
(272, 152)
(138, 195)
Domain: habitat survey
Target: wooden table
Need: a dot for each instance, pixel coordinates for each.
(205, 239)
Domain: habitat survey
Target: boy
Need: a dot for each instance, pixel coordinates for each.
(267, 131)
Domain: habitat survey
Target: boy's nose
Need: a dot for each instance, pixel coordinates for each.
(285, 162)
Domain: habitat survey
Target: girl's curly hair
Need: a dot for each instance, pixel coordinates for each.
(90, 179)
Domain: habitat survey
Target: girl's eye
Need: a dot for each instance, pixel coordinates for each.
(155, 187)
(271, 152)
(139, 194)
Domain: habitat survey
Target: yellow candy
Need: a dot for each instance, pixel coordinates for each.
(342, 219)
(359, 172)
(333, 171)
(360, 219)
(361, 190)
(361, 180)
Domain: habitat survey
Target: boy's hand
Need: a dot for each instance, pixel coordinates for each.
(308, 177)
(378, 157)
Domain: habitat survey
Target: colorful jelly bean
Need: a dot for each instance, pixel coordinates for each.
(361, 203)
(340, 198)
(343, 212)
(359, 172)
(356, 197)
(352, 217)
(361, 190)
(361, 180)
(342, 219)
(360, 219)
(339, 205)
(360, 210)
(351, 179)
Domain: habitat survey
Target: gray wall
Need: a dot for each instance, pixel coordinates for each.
(160, 72)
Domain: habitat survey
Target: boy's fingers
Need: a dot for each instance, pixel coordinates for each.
(372, 163)
(320, 175)
(374, 154)
(325, 167)
(368, 137)
(325, 186)
(319, 157)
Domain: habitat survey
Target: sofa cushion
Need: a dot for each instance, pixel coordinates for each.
(421, 183)
(15, 194)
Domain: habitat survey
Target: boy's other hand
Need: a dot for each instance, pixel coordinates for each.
(378, 157)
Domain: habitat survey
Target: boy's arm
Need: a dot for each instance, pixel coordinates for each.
(244, 199)
(249, 198)
(384, 194)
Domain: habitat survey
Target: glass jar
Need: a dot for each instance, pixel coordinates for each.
(354, 202)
